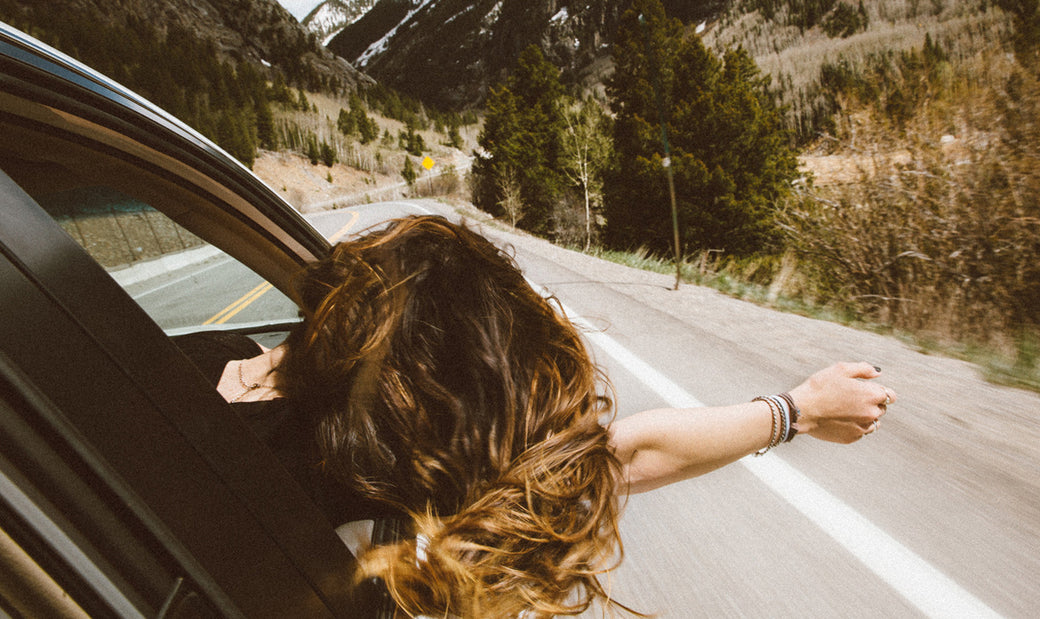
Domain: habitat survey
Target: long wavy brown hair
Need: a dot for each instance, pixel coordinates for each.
(447, 388)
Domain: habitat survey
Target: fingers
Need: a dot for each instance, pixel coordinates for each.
(844, 432)
(890, 397)
(843, 403)
(867, 371)
(887, 397)
(860, 369)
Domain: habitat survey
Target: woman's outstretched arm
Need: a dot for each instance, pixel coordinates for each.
(662, 446)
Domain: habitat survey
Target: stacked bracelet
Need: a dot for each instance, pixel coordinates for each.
(785, 415)
(793, 414)
(776, 434)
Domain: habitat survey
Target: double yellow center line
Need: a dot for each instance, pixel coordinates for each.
(247, 299)
(228, 312)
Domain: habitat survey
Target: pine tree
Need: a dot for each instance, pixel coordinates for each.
(265, 133)
(346, 122)
(408, 172)
(521, 136)
(454, 137)
(368, 128)
(729, 153)
(313, 151)
(411, 141)
(635, 192)
(328, 154)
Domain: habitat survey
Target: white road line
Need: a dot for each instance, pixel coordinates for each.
(924, 586)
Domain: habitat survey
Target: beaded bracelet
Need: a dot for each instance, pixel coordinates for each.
(774, 433)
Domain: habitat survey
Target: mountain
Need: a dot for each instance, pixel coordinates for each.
(448, 52)
(260, 32)
(401, 43)
(332, 16)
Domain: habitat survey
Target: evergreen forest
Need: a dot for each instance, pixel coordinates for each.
(730, 156)
(234, 102)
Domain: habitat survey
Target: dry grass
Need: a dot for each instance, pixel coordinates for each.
(382, 156)
(794, 57)
(939, 235)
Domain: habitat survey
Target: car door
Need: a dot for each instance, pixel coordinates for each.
(124, 477)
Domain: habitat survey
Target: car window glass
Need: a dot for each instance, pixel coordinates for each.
(181, 281)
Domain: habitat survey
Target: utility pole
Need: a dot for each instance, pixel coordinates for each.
(667, 162)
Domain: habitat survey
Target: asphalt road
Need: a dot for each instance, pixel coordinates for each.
(937, 516)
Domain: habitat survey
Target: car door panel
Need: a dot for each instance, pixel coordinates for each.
(205, 481)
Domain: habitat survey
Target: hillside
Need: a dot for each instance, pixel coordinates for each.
(362, 172)
(259, 32)
(801, 50)
(401, 43)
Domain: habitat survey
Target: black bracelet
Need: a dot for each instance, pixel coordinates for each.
(791, 430)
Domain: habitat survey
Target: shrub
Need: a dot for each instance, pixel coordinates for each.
(946, 237)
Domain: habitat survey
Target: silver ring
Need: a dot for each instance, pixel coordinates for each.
(876, 426)
(888, 398)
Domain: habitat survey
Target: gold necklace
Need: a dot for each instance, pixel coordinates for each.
(248, 387)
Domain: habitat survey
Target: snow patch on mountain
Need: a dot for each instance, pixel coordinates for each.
(381, 45)
(327, 19)
(491, 19)
(331, 16)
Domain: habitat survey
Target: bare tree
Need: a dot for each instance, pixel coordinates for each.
(511, 201)
(586, 150)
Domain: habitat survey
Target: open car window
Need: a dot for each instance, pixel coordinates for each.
(139, 190)
(180, 280)
(125, 215)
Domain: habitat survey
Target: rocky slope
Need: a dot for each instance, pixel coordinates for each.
(402, 42)
(261, 32)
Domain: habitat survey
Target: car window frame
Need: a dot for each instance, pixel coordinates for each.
(68, 98)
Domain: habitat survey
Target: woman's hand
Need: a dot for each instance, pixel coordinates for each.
(838, 404)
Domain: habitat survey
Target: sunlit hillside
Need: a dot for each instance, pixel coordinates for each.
(796, 48)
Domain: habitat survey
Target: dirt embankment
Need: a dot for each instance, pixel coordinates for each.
(306, 186)
(310, 188)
